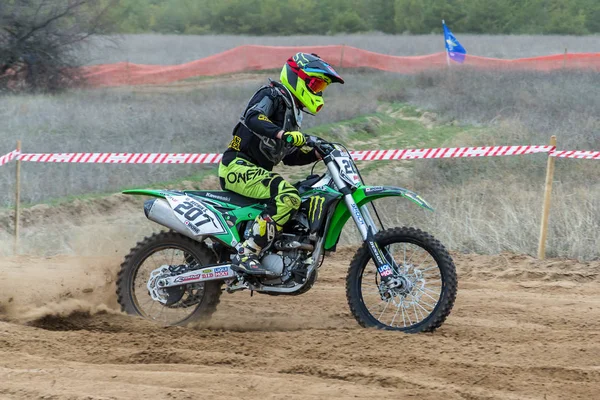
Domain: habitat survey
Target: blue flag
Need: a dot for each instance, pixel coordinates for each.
(455, 50)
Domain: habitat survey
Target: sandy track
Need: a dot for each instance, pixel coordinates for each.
(521, 329)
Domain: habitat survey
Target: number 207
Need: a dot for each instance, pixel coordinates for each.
(191, 213)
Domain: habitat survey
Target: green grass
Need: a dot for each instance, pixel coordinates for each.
(393, 126)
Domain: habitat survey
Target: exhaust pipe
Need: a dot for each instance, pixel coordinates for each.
(159, 211)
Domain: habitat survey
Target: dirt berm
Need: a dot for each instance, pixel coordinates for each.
(520, 329)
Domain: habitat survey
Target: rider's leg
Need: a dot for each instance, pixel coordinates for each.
(284, 203)
(249, 180)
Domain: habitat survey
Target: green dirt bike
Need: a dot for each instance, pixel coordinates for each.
(399, 279)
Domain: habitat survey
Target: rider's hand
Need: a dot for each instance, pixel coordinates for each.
(294, 138)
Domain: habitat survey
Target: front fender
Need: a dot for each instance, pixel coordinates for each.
(364, 195)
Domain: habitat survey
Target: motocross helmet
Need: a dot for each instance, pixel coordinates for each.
(306, 76)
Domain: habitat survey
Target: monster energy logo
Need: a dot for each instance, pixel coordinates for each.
(315, 208)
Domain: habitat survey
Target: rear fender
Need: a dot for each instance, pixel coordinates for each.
(364, 195)
(228, 221)
(148, 192)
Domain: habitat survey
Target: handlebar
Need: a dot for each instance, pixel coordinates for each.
(321, 145)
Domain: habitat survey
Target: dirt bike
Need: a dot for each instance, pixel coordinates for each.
(399, 279)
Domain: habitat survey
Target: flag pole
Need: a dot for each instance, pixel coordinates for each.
(447, 56)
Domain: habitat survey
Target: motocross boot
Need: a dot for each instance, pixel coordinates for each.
(247, 261)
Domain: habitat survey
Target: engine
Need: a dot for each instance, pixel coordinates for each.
(290, 254)
(289, 257)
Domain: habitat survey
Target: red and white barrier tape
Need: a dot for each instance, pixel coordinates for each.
(8, 157)
(450, 152)
(586, 155)
(123, 158)
(363, 155)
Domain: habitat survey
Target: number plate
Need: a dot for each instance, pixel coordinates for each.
(348, 170)
(195, 215)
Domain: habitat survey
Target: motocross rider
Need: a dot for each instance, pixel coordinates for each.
(269, 132)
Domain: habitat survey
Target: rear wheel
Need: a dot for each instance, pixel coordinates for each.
(185, 303)
(428, 290)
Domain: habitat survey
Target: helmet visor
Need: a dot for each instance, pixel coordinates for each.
(316, 85)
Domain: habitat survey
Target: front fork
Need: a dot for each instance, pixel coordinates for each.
(367, 228)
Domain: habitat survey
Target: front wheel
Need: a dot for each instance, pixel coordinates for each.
(422, 302)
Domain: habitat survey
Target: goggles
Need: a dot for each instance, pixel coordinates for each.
(315, 84)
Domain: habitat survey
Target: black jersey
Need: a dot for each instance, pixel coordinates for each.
(270, 111)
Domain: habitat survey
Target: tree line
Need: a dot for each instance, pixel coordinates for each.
(286, 17)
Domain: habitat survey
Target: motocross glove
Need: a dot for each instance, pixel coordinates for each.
(295, 138)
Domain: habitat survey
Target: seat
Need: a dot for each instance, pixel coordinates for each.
(226, 196)
(306, 185)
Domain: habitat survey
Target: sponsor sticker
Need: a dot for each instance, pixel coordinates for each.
(385, 267)
(375, 251)
(217, 197)
(386, 272)
(195, 215)
(219, 272)
(247, 176)
(192, 227)
(315, 208)
(374, 189)
(235, 143)
(186, 278)
(357, 213)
